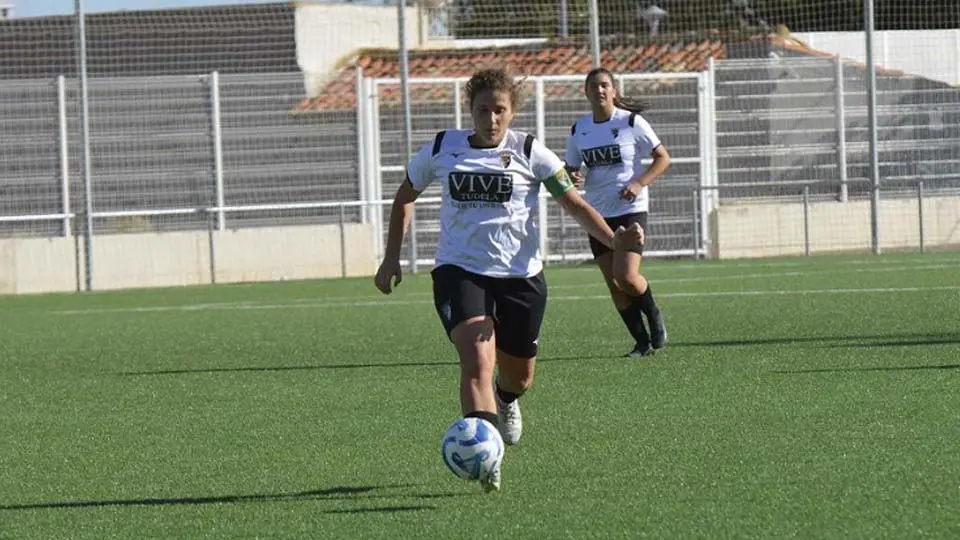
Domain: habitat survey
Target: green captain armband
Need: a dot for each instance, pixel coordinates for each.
(558, 183)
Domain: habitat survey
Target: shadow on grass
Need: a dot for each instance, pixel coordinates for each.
(371, 365)
(943, 340)
(866, 369)
(338, 493)
(382, 509)
(861, 340)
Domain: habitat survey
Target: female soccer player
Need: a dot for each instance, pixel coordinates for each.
(488, 283)
(611, 141)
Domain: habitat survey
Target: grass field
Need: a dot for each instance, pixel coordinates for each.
(809, 398)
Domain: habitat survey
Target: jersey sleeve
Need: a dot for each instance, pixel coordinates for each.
(646, 139)
(572, 156)
(549, 170)
(420, 168)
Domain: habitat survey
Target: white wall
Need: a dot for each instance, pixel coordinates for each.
(934, 54)
(31, 265)
(777, 229)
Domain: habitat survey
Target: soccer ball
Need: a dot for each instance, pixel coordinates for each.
(472, 447)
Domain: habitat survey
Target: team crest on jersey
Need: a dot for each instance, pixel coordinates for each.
(616, 132)
(505, 159)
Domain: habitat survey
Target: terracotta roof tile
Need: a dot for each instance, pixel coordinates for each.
(547, 59)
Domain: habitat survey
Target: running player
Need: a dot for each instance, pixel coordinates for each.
(610, 142)
(488, 283)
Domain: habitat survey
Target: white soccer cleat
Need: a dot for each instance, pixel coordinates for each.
(492, 481)
(510, 420)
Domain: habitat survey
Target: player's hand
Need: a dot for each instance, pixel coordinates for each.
(384, 280)
(578, 179)
(626, 238)
(630, 192)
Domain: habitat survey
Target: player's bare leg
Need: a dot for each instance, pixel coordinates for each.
(475, 342)
(476, 347)
(514, 378)
(626, 305)
(626, 271)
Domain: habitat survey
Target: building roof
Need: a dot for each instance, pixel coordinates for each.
(231, 39)
(551, 58)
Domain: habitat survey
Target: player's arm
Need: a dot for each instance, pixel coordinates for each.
(390, 274)
(647, 143)
(561, 187)
(661, 162)
(400, 214)
(420, 173)
(573, 160)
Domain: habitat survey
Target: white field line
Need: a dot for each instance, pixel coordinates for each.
(788, 264)
(658, 281)
(386, 302)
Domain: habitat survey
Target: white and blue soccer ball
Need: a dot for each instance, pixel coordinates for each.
(472, 447)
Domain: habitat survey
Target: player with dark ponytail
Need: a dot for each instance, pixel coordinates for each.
(610, 142)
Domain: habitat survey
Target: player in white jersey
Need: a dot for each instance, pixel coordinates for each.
(488, 282)
(611, 142)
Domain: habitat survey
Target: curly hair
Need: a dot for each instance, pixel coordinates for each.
(496, 80)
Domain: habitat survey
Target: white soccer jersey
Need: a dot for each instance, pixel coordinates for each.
(612, 151)
(488, 213)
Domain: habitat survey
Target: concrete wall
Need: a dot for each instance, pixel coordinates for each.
(934, 54)
(776, 229)
(30, 265)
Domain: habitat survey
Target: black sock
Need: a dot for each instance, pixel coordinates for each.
(633, 320)
(483, 415)
(646, 303)
(506, 397)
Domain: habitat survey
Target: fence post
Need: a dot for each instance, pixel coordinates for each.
(457, 106)
(361, 145)
(841, 128)
(217, 139)
(85, 141)
(64, 155)
(706, 121)
(920, 214)
(806, 220)
(413, 239)
(696, 223)
(541, 126)
(211, 245)
(563, 237)
(343, 240)
(371, 153)
(595, 33)
(868, 19)
(407, 121)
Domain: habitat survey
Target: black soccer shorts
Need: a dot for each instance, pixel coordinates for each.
(517, 305)
(620, 221)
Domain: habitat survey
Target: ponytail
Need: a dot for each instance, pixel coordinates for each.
(630, 104)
